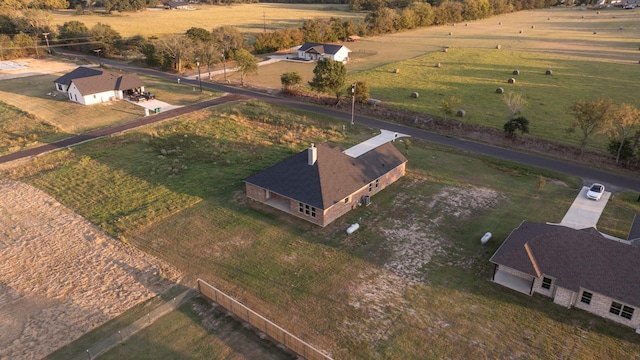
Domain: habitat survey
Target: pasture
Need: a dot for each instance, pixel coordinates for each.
(413, 282)
(584, 66)
(248, 18)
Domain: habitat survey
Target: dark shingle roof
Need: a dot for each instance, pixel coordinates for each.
(92, 81)
(575, 258)
(81, 72)
(320, 48)
(332, 178)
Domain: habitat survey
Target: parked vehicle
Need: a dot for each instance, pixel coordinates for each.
(595, 191)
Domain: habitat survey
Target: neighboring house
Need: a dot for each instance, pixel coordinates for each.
(322, 183)
(317, 51)
(173, 5)
(576, 268)
(89, 86)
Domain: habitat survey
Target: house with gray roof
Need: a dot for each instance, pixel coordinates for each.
(317, 51)
(89, 86)
(576, 268)
(322, 183)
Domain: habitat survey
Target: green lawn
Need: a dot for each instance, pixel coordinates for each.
(175, 191)
(19, 130)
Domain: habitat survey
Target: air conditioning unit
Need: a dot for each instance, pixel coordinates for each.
(366, 200)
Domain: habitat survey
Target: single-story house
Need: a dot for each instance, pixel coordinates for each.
(576, 268)
(89, 86)
(173, 5)
(317, 51)
(322, 183)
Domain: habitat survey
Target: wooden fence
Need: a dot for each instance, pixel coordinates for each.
(261, 323)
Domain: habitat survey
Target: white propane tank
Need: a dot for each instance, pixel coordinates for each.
(485, 238)
(353, 228)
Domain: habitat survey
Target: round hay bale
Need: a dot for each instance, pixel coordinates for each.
(374, 102)
(548, 72)
(450, 33)
(466, 24)
(583, 16)
(461, 113)
(533, 26)
(454, 24)
(396, 70)
(445, 49)
(500, 23)
(415, 95)
(548, 18)
(498, 46)
(595, 32)
(511, 81)
(516, 72)
(598, 12)
(499, 90)
(520, 31)
(438, 65)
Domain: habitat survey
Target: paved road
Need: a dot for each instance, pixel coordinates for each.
(611, 180)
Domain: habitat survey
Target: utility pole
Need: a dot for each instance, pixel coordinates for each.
(97, 51)
(224, 63)
(199, 78)
(353, 102)
(46, 38)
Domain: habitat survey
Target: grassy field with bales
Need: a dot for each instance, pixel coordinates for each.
(590, 54)
(413, 282)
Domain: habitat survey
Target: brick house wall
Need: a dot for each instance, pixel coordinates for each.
(537, 286)
(600, 305)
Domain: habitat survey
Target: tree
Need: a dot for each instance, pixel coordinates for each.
(5, 46)
(382, 21)
(124, 5)
(246, 63)
(515, 103)
(590, 117)
(625, 120)
(176, 49)
(199, 34)
(105, 38)
(362, 92)
(520, 123)
(329, 76)
(290, 81)
(622, 150)
(449, 105)
(74, 32)
(228, 38)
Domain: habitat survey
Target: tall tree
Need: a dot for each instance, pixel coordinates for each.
(228, 38)
(515, 103)
(105, 38)
(590, 117)
(290, 81)
(625, 121)
(5, 46)
(246, 63)
(74, 32)
(176, 48)
(329, 76)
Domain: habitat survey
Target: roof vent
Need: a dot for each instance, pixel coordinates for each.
(312, 154)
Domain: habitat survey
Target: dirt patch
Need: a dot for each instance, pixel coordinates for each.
(60, 276)
(32, 67)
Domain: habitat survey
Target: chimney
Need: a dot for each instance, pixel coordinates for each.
(312, 154)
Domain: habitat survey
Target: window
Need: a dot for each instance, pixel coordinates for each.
(627, 312)
(370, 187)
(306, 209)
(301, 207)
(615, 308)
(377, 182)
(546, 283)
(59, 87)
(586, 297)
(346, 200)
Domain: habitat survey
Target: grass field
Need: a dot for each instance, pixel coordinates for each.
(411, 283)
(248, 18)
(585, 66)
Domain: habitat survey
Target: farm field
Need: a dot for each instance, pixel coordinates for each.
(248, 18)
(413, 282)
(584, 66)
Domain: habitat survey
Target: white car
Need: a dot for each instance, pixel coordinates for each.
(595, 191)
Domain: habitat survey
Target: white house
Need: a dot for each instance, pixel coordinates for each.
(89, 86)
(317, 51)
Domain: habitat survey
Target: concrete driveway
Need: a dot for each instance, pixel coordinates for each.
(584, 213)
(154, 104)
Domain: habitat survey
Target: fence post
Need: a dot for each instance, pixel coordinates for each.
(88, 353)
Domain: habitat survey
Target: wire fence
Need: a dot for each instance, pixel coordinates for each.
(126, 332)
(261, 323)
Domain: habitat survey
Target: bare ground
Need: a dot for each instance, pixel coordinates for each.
(60, 276)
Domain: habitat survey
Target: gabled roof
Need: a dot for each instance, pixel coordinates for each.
(81, 72)
(175, 3)
(319, 48)
(332, 178)
(91, 81)
(575, 258)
